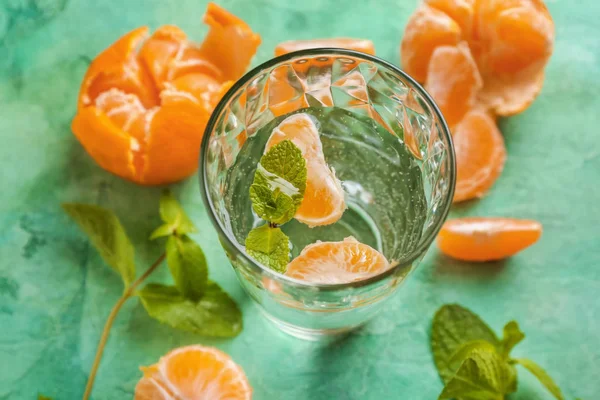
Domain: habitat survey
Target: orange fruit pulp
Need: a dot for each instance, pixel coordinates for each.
(323, 201)
(337, 262)
(141, 114)
(193, 373)
(480, 155)
(487, 239)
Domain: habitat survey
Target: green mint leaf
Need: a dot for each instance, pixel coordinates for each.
(285, 160)
(465, 350)
(108, 237)
(187, 264)
(454, 326)
(42, 397)
(162, 231)
(511, 337)
(279, 183)
(542, 376)
(269, 246)
(214, 315)
(174, 216)
(484, 375)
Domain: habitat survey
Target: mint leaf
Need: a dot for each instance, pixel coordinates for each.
(108, 237)
(175, 218)
(215, 314)
(279, 183)
(465, 350)
(285, 160)
(484, 375)
(187, 264)
(542, 376)
(454, 326)
(161, 231)
(269, 246)
(42, 397)
(512, 335)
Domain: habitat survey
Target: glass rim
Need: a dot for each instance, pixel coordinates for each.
(424, 243)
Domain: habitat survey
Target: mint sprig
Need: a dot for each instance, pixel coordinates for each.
(270, 246)
(279, 183)
(473, 363)
(276, 194)
(193, 304)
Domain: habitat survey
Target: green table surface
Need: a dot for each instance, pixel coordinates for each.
(55, 292)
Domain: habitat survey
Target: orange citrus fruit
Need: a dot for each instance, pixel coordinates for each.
(487, 239)
(144, 102)
(194, 373)
(454, 81)
(337, 262)
(480, 155)
(362, 45)
(510, 41)
(323, 201)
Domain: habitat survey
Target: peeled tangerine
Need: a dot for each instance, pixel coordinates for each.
(479, 59)
(323, 201)
(487, 239)
(337, 262)
(141, 113)
(194, 373)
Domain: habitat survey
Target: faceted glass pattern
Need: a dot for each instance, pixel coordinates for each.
(358, 83)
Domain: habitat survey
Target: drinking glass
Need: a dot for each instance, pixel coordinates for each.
(364, 86)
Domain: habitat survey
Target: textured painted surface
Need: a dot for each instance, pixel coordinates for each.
(55, 293)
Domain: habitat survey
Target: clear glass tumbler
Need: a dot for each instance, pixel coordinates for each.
(364, 86)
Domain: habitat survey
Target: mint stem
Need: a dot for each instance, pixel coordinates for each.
(127, 293)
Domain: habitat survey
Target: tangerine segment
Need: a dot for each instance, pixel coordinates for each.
(515, 39)
(337, 262)
(168, 55)
(454, 81)
(480, 155)
(427, 29)
(109, 146)
(173, 144)
(194, 373)
(118, 67)
(461, 11)
(487, 239)
(323, 201)
(230, 43)
(362, 45)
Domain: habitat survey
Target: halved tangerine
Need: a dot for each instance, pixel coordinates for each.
(194, 373)
(487, 239)
(323, 201)
(337, 262)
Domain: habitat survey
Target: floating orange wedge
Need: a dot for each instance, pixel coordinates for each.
(362, 45)
(480, 155)
(194, 373)
(141, 114)
(323, 201)
(337, 262)
(487, 239)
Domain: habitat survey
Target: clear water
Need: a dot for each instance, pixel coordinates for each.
(382, 182)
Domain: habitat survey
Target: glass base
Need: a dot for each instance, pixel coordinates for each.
(314, 335)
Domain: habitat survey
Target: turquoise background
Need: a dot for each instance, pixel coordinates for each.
(55, 292)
